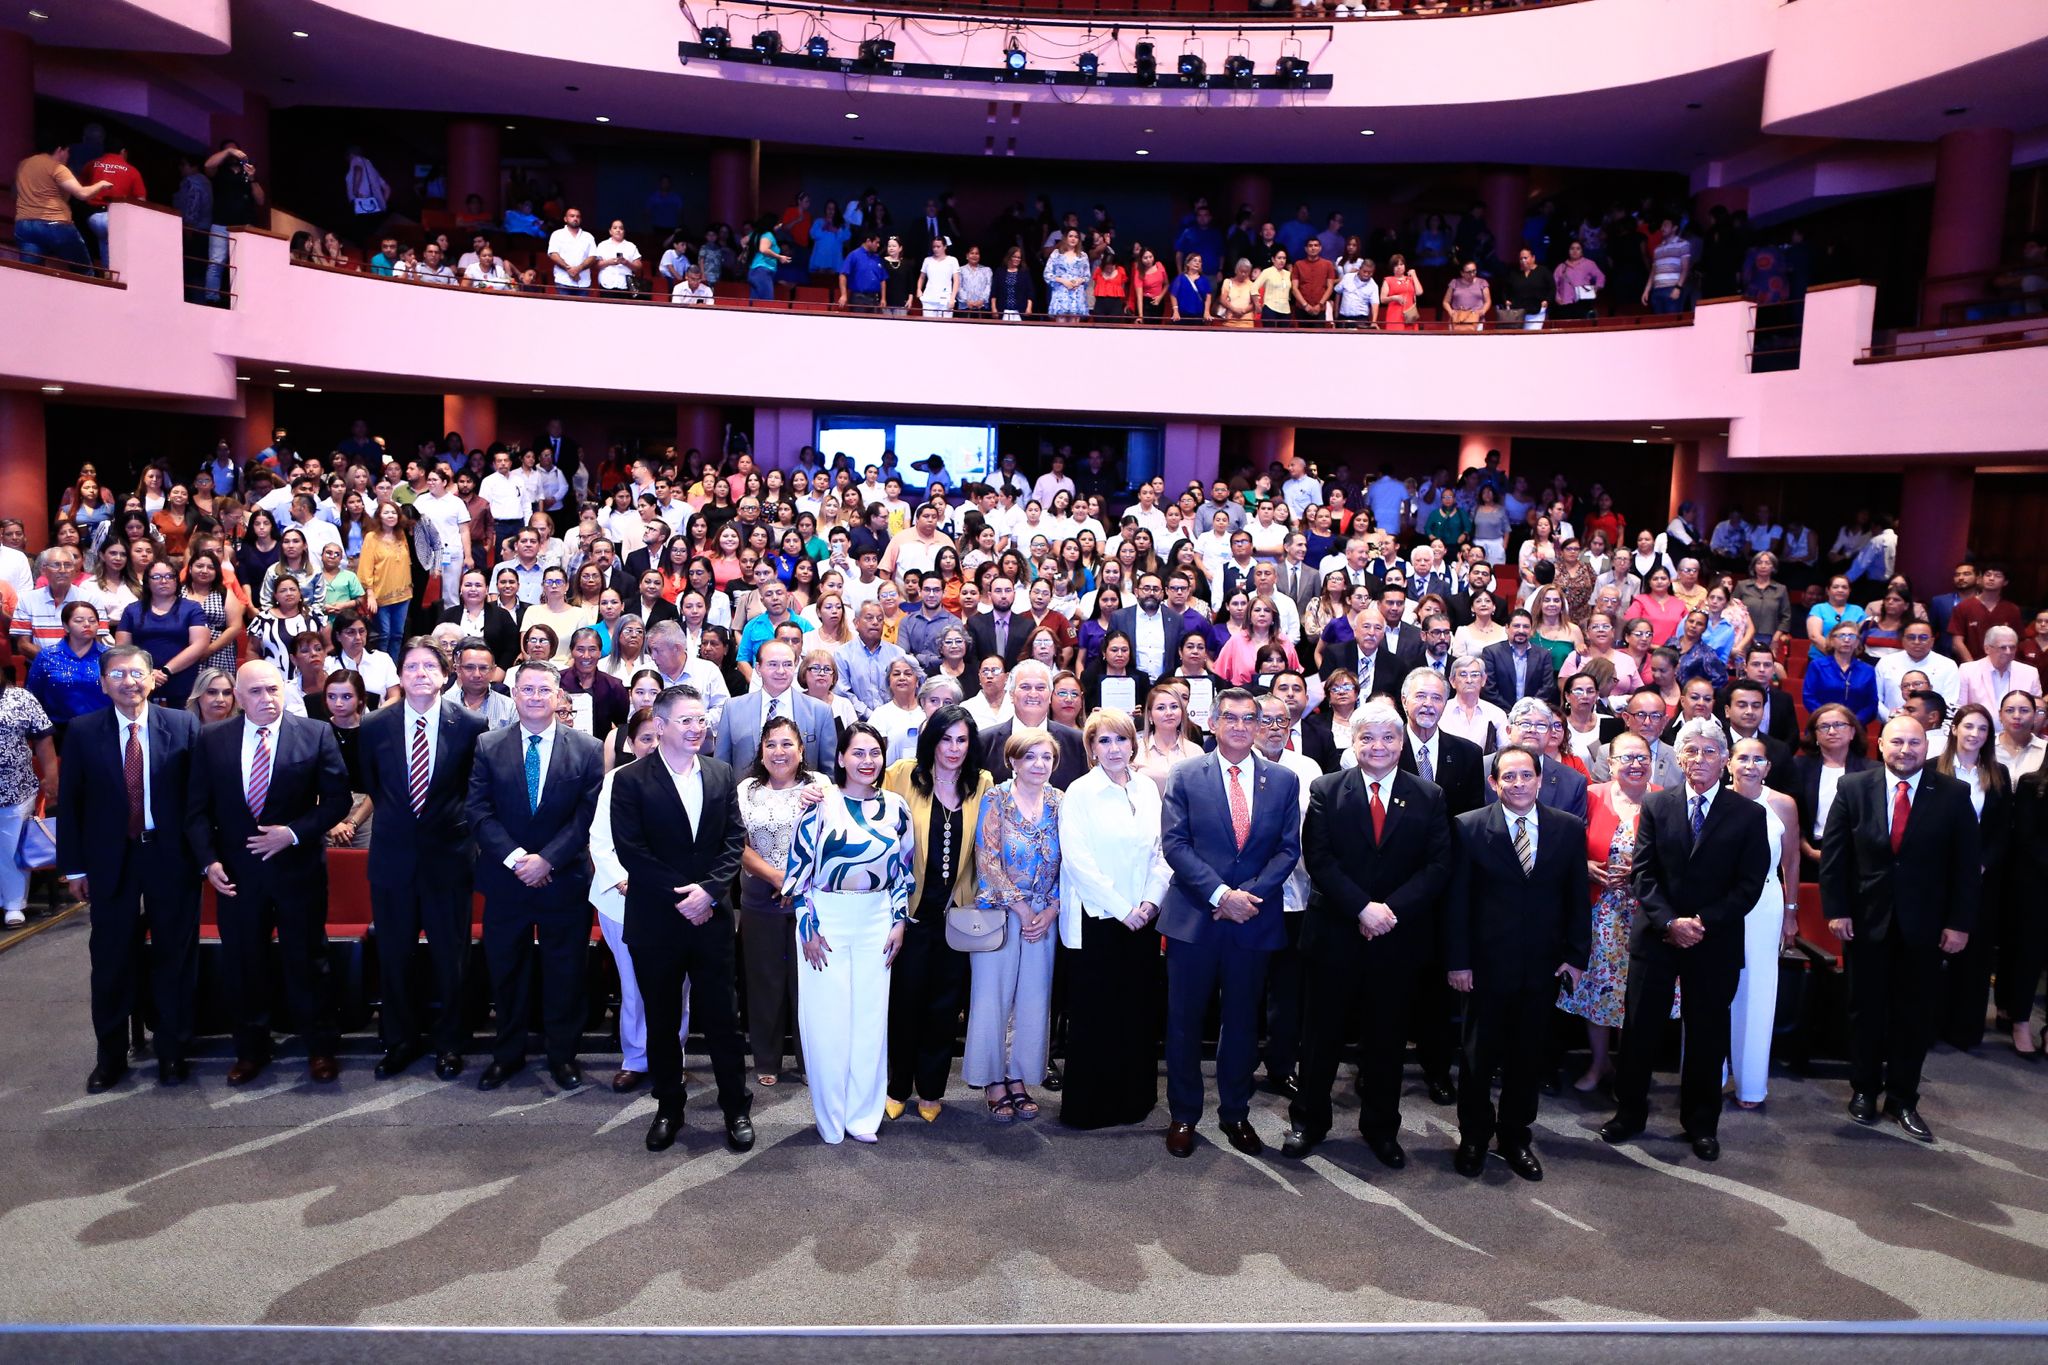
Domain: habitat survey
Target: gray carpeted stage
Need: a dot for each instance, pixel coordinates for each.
(415, 1202)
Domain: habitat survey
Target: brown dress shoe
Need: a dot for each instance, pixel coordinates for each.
(246, 1069)
(1180, 1139)
(324, 1069)
(625, 1081)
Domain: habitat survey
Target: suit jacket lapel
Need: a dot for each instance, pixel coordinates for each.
(558, 768)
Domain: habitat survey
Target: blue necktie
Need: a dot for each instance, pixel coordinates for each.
(532, 773)
(1699, 816)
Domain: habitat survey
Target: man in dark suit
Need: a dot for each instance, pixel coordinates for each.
(480, 617)
(1231, 832)
(1742, 708)
(1560, 786)
(416, 761)
(568, 454)
(677, 830)
(1517, 918)
(1378, 670)
(1900, 882)
(1378, 849)
(1702, 856)
(999, 632)
(1517, 668)
(1781, 716)
(1458, 769)
(1031, 701)
(1155, 629)
(741, 719)
(1403, 639)
(532, 793)
(121, 814)
(266, 788)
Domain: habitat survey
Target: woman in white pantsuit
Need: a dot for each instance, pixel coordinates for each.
(1770, 924)
(850, 875)
(608, 894)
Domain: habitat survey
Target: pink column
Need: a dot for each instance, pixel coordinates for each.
(1270, 446)
(251, 431)
(1473, 445)
(1690, 483)
(1934, 522)
(17, 98)
(1972, 169)
(735, 182)
(1505, 192)
(473, 165)
(475, 415)
(1251, 187)
(778, 433)
(1193, 452)
(25, 464)
(700, 426)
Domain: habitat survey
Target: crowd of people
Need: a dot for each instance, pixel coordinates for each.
(1436, 759)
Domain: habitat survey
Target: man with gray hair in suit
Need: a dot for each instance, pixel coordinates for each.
(1561, 787)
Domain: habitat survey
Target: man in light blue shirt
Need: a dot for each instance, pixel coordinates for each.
(864, 663)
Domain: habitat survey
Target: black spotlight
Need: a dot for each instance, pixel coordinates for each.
(1192, 68)
(877, 52)
(1239, 68)
(768, 43)
(1145, 66)
(1088, 64)
(717, 40)
(1014, 58)
(818, 49)
(1291, 70)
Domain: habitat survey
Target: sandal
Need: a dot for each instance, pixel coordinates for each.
(1020, 1100)
(765, 1078)
(999, 1108)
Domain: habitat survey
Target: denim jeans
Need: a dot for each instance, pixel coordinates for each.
(13, 881)
(1666, 301)
(760, 284)
(98, 223)
(216, 261)
(391, 626)
(41, 240)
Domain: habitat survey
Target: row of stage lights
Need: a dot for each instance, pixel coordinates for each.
(876, 53)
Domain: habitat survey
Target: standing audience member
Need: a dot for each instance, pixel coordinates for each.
(1771, 924)
(773, 797)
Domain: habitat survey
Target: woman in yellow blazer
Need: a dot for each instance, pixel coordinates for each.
(943, 785)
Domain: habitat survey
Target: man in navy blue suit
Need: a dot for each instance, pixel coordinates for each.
(1231, 832)
(126, 854)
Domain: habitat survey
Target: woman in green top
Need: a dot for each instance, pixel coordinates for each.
(767, 256)
(339, 586)
(1554, 629)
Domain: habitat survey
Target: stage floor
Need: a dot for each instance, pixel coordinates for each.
(418, 1202)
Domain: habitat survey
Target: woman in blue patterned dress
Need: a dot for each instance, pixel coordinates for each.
(1067, 276)
(1017, 860)
(850, 876)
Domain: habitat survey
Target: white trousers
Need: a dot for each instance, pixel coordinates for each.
(1755, 1010)
(843, 1014)
(632, 1010)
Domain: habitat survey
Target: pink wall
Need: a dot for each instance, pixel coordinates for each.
(352, 331)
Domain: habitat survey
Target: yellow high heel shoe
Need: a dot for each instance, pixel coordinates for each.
(892, 1109)
(928, 1110)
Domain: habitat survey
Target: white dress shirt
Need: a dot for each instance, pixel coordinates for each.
(1531, 818)
(1891, 794)
(1942, 675)
(249, 728)
(1148, 631)
(547, 753)
(380, 675)
(1247, 779)
(1294, 896)
(1110, 862)
(689, 784)
(432, 716)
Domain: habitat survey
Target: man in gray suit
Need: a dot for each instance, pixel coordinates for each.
(739, 724)
(1231, 831)
(1297, 579)
(1562, 787)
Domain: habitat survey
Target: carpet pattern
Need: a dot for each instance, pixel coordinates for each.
(418, 1202)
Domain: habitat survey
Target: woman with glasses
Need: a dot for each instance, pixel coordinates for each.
(1834, 749)
(172, 628)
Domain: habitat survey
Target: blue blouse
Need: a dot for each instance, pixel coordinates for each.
(67, 684)
(1018, 860)
(1855, 689)
(871, 853)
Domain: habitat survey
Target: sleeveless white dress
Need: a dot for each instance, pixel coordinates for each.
(1756, 996)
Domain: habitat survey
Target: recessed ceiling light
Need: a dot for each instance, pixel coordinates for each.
(1365, 132)
(1143, 152)
(53, 388)
(511, 127)
(241, 379)
(1640, 441)
(37, 15)
(300, 33)
(1148, 130)
(286, 384)
(604, 118)
(540, 390)
(1655, 427)
(283, 371)
(311, 389)
(851, 114)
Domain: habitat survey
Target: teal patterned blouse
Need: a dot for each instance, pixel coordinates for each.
(1018, 859)
(871, 853)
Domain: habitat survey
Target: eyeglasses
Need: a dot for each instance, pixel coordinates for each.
(1833, 725)
(1276, 722)
(128, 674)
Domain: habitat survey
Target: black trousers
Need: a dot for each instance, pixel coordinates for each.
(1195, 974)
(771, 960)
(1356, 989)
(1504, 1029)
(399, 914)
(1893, 991)
(1708, 993)
(2022, 952)
(1112, 1073)
(298, 913)
(925, 988)
(1285, 970)
(1433, 1019)
(156, 881)
(1965, 989)
(511, 924)
(704, 958)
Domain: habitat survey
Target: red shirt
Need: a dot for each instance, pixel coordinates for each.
(127, 186)
(1314, 278)
(1972, 618)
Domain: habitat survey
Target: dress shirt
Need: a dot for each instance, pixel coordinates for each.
(1533, 823)
(1420, 746)
(275, 728)
(1891, 794)
(1294, 895)
(689, 790)
(1247, 778)
(547, 752)
(775, 706)
(1830, 780)
(864, 672)
(498, 711)
(1942, 675)
(1109, 836)
(140, 725)
(379, 674)
(1692, 796)
(1521, 661)
(1148, 630)
(432, 715)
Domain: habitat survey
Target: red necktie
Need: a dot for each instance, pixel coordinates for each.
(131, 767)
(259, 773)
(419, 773)
(1901, 808)
(1379, 814)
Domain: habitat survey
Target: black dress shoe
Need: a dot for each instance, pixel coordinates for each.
(1863, 1108)
(1910, 1120)
(1283, 1084)
(105, 1076)
(661, 1134)
(1388, 1150)
(1442, 1091)
(1704, 1146)
(495, 1075)
(1617, 1130)
(396, 1059)
(1299, 1142)
(1522, 1162)
(1470, 1160)
(1180, 1139)
(173, 1073)
(1243, 1137)
(448, 1065)
(1053, 1080)
(567, 1074)
(739, 1133)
